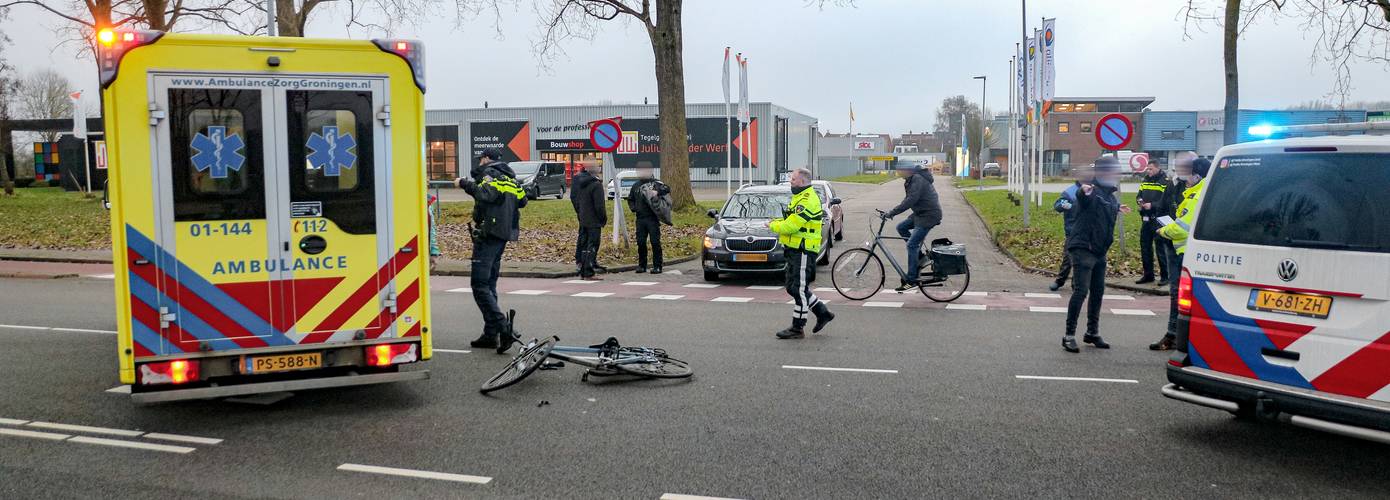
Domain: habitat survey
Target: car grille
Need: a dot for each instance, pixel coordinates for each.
(757, 245)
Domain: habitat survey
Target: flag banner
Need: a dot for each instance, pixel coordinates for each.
(726, 75)
(1032, 77)
(79, 116)
(1049, 73)
(743, 90)
(1019, 98)
(1036, 82)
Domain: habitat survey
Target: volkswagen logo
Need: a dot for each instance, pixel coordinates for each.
(1288, 270)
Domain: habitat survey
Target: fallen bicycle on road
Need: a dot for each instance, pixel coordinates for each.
(606, 359)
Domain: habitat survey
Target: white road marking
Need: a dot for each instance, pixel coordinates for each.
(678, 496)
(182, 439)
(12, 421)
(1133, 312)
(701, 285)
(793, 302)
(1045, 309)
(442, 476)
(976, 294)
(582, 282)
(829, 369)
(825, 289)
(33, 434)
(1118, 297)
(131, 444)
(1043, 295)
(883, 304)
(454, 351)
(764, 287)
(82, 330)
(663, 297)
(967, 307)
(596, 295)
(732, 299)
(1078, 379)
(102, 276)
(25, 327)
(84, 428)
(460, 290)
(639, 283)
(120, 389)
(528, 292)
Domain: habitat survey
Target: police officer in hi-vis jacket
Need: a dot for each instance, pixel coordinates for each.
(800, 234)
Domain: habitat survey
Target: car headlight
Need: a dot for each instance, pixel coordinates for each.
(712, 243)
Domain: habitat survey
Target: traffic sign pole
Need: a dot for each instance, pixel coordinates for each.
(606, 135)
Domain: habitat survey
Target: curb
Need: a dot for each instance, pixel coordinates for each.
(994, 238)
(565, 274)
(61, 260)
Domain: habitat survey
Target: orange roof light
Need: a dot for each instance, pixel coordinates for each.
(128, 37)
(402, 46)
(106, 36)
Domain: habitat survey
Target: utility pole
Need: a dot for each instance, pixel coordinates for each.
(270, 24)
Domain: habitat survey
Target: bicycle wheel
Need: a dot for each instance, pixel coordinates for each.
(521, 366)
(857, 274)
(657, 365)
(945, 288)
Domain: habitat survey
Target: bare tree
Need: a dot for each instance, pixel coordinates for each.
(7, 90)
(1345, 30)
(43, 95)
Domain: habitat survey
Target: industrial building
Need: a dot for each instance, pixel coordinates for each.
(781, 139)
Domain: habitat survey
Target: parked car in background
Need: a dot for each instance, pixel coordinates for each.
(739, 242)
(991, 170)
(835, 222)
(626, 179)
(540, 178)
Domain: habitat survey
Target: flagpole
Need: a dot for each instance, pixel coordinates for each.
(1024, 31)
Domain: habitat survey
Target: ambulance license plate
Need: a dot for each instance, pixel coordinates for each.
(750, 257)
(1298, 304)
(284, 362)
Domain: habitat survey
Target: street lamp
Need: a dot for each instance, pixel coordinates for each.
(983, 81)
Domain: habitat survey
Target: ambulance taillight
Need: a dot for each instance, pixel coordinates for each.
(178, 371)
(392, 354)
(412, 51)
(114, 44)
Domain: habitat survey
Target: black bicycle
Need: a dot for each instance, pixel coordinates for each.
(943, 274)
(607, 359)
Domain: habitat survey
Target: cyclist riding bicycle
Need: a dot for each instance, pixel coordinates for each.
(926, 213)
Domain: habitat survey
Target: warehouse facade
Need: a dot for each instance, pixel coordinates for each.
(781, 139)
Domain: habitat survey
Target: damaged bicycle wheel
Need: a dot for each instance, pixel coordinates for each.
(524, 364)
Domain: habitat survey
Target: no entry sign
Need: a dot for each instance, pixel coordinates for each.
(1114, 131)
(606, 135)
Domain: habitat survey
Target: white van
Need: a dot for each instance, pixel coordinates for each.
(1284, 297)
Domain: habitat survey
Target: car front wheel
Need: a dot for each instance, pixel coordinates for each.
(711, 275)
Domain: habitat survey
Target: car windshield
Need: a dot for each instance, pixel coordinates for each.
(1321, 200)
(523, 169)
(756, 205)
(820, 193)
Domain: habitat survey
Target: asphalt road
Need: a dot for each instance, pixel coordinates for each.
(943, 414)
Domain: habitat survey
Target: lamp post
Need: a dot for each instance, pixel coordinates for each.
(984, 80)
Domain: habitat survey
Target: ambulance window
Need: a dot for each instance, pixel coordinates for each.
(331, 145)
(215, 147)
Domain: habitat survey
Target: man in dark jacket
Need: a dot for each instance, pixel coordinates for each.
(648, 223)
(1152, 204)
(1097, 209)
(497, 202)
(926, 214)
(587, 197)
(1064, 205)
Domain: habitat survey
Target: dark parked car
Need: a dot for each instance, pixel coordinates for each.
(540, 178)
(740, 242)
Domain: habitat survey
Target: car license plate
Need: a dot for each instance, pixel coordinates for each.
(1298, 304)
(284, 362)
(750, 257)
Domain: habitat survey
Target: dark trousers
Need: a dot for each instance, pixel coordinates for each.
(487, 265)
(1174, 263)
(1152, 245)
(914, 236)
(801, 271)
(648, 231)
(1088, 287)
(586, 249)
(1064, 271)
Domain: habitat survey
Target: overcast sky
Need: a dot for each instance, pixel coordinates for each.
(894, 59)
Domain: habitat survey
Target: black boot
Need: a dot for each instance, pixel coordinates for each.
(1165, 344)
(1095, 341)
(656, 270)
(641, 270)
(506, 338)
(823, 316)
(488, 340)
(1069, 344)
(797, 330)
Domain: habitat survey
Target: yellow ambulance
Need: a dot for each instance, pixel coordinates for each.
(268, 212)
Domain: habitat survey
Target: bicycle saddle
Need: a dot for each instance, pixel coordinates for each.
(611, 343)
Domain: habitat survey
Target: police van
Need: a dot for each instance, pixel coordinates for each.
(268, 211)
(1284, 298)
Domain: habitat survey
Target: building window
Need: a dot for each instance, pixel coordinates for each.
(1063, 127)
(1173, 135)
(1085, 126)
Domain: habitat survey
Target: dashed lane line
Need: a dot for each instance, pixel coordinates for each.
(84, 428)
(392, 471)
(12, 421)
(763, 287)
(732, 299)
(594, 295)
(1078, 379)
(120, 443)
(452, 351)
(976, 294)
(679, 496)
(1118, 297)
(52, 436)
(102, 276)
(967, 307)
(582, 282)
(460, 290)
(528, 292)
(1133, 312)
(639, 283)
(120, 389)
(832, 369)
(82, 330)
(25, 327)
(657, 296)
(182, 438)
(1032, 295)
(1047, 309)
(700, 285)
(883, 304)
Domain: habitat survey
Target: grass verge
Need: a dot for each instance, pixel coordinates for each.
(962, 182)
(865, 178)
(1041, 245)
(53, 219)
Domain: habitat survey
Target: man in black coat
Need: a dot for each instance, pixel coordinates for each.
(1097, 208)
(921, 199)
(586, 194)
(648, 223)
(1152, 205)
(497, 202)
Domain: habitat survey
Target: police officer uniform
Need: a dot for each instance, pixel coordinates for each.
(800, 234)
(497, 202)
(1178, 233)
(1151, 246)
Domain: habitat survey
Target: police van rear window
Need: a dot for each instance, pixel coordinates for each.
(1333, 201)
